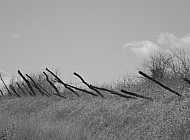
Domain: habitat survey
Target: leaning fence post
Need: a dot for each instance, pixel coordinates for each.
(89, 86)
(13, 89)
(58, 93)
(35, 85)
(20, 88)
(1, 93)
(27, 82)
(27, 89)
(70, 86)
(186, 80)
(143, 74)
(5, 85)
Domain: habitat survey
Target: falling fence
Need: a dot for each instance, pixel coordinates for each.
(29, 86)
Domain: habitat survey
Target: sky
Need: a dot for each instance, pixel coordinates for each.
(101, 40)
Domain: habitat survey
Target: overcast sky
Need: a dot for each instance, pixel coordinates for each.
(99, 39)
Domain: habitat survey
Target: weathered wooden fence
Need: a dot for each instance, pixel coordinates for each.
(29, 86)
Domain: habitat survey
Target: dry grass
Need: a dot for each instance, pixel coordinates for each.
(45, 118)
(94, 118)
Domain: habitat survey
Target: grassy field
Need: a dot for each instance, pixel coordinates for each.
(95, 118)
(81, 116)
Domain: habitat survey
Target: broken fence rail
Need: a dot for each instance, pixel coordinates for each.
(104, 89)
(137, 95)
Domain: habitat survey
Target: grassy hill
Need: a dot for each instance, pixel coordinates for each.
(46, 118)
(88, 117)
(43, 107)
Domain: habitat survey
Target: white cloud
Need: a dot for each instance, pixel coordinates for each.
(173, 41)
(164, 42)
(142, 47)
(167, 38)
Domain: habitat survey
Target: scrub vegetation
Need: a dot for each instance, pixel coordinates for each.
(152, 106)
